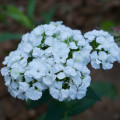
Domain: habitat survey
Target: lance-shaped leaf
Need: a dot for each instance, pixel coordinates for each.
(42, 117)
(31, 8)
(55, 111)
(106, 89)
(48, 16)
(79, 106)
(92, 94)
(18, 15)
(101, 89)
(9, 36)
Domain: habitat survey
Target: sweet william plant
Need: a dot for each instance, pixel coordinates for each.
(50, 64)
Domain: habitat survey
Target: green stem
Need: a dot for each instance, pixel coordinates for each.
(65, 117)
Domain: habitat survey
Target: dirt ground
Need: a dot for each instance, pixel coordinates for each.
(78, 14)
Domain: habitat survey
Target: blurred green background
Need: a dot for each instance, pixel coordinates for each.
(21, 16)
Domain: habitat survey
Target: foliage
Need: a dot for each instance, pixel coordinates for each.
(27, 20)
(111, 27)
(59, 110)
(65, 110)
(9, 36)
(49, 15)
(107, 25)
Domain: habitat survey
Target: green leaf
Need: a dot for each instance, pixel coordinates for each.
(55, 110)
(45, 98)
(48, 16)
(106, 89)
(42, 117)
(78, 106)
(67, 118)
(101, 89)
(31, 8)
(18, 15)
(108, 25)
(2, 15)
(92, 94)
(9, 36)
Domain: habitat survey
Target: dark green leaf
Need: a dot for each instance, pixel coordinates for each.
(9, 36)
(92, 94)
(18, 15)
(31, 8)
(101, 89)
(55, 111)
(48, 16)
(42, 117)
(108, 25)
(45, 98)
(2, 15)
(106, 89)
(66, 117)
(79, 106)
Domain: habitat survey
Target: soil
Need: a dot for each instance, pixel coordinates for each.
(77, 14)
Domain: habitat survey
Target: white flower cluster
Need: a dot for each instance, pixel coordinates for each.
(105, 51)
(51, 57)
(55, 57)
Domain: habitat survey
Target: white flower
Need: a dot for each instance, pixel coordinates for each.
(54, 57)
(27, 47)
(7, 80)
(49, 29)
(55, 90)
(15, 73)
(33, 94)
(73, 45)
(4, 71)
(77, 80)
(49, 80)
(73, 91)
(60, 52)
(40, 85)
(50, 40)
(24, 86)
(70, 71)
(61, 75)
(25, 37)
(81, 57)
(35, 39)
(38, 30)
(36, 69)
(105, 50)
(81, 93)
(37, 52)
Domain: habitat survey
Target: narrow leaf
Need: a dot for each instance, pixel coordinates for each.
(18, 15)
(107, 25)
(31, 8)
(101, 89)
(2, 15)
(79, 106)
(92, 94)
(106, 89)
(48, 16)
(42, 117)
(55, 111)
(9, 36)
